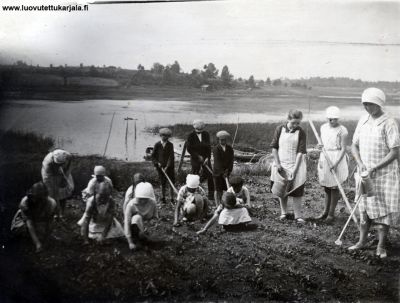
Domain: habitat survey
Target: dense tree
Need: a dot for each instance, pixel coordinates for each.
(226, 77)
(157, 68)
(251, 82)
(210, 71)
(268, 82)
(175, 68)
(140, 67)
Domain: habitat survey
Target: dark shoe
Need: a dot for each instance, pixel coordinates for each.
(329, 220)
(321, 217)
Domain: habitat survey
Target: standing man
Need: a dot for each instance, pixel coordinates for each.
(223, 164)
(199, 146)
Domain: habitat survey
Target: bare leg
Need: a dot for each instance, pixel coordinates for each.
(383, 231)
(283, 204)
(364, 228)
(63, 202)
(334, 200)
(297, 207)
(327, 204)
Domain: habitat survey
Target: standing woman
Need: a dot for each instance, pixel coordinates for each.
(289, 149)
(375, 147)
(56, 175)
(333, 136)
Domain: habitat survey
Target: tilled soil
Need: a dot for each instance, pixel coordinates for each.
(280, 261)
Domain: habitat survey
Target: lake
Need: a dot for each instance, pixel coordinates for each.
(83, 126)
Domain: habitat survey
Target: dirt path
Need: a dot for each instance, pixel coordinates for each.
(280, 261)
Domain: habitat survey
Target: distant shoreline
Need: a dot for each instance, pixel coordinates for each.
(78, 93)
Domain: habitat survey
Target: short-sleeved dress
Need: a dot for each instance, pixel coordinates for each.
(332, 140)
(375, 138)
(58, 179)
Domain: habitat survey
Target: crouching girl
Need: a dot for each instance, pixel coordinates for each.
(232, 216)
(35, 214)
(192, 200)
(141, 208)
(99, 222)
(241, 192)
(93, 185)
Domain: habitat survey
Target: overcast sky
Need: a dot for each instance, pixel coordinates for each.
(282, 38)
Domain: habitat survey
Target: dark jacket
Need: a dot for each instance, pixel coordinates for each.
(223, 160)
(163, 155)
(197, 148)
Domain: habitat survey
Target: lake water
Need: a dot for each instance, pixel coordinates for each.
(83, 126)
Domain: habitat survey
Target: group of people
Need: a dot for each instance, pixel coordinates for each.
(375, 147)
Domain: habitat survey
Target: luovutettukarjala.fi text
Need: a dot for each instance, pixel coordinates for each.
(51, 8)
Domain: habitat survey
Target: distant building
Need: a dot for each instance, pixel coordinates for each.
(205, 87)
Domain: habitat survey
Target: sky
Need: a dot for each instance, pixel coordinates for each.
(264, 38)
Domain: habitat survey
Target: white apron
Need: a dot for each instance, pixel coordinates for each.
(287, 153)
(234, 216)
(331, 139)
(96, 228)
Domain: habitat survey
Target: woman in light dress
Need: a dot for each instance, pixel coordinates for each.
(333, 136)
(375, 147)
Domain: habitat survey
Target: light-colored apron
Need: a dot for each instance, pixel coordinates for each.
(287, 153)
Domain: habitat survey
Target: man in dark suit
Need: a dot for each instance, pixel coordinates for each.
(199, 146)
(223, 164)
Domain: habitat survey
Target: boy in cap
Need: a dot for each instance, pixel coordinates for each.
(163, 159)
(35, 214)
(98, 177)
(142, 207)
(98, 221)
(56, 175)
(199, 146)
(232, 216)
(192, 200)
(223, 164)
(241, 192)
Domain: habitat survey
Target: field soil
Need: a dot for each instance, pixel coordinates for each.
(280, 261)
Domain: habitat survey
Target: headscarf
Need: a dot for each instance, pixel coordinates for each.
(99, 170)
(192, 181)
(60, 156)
(144, 190)
(373, 95)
